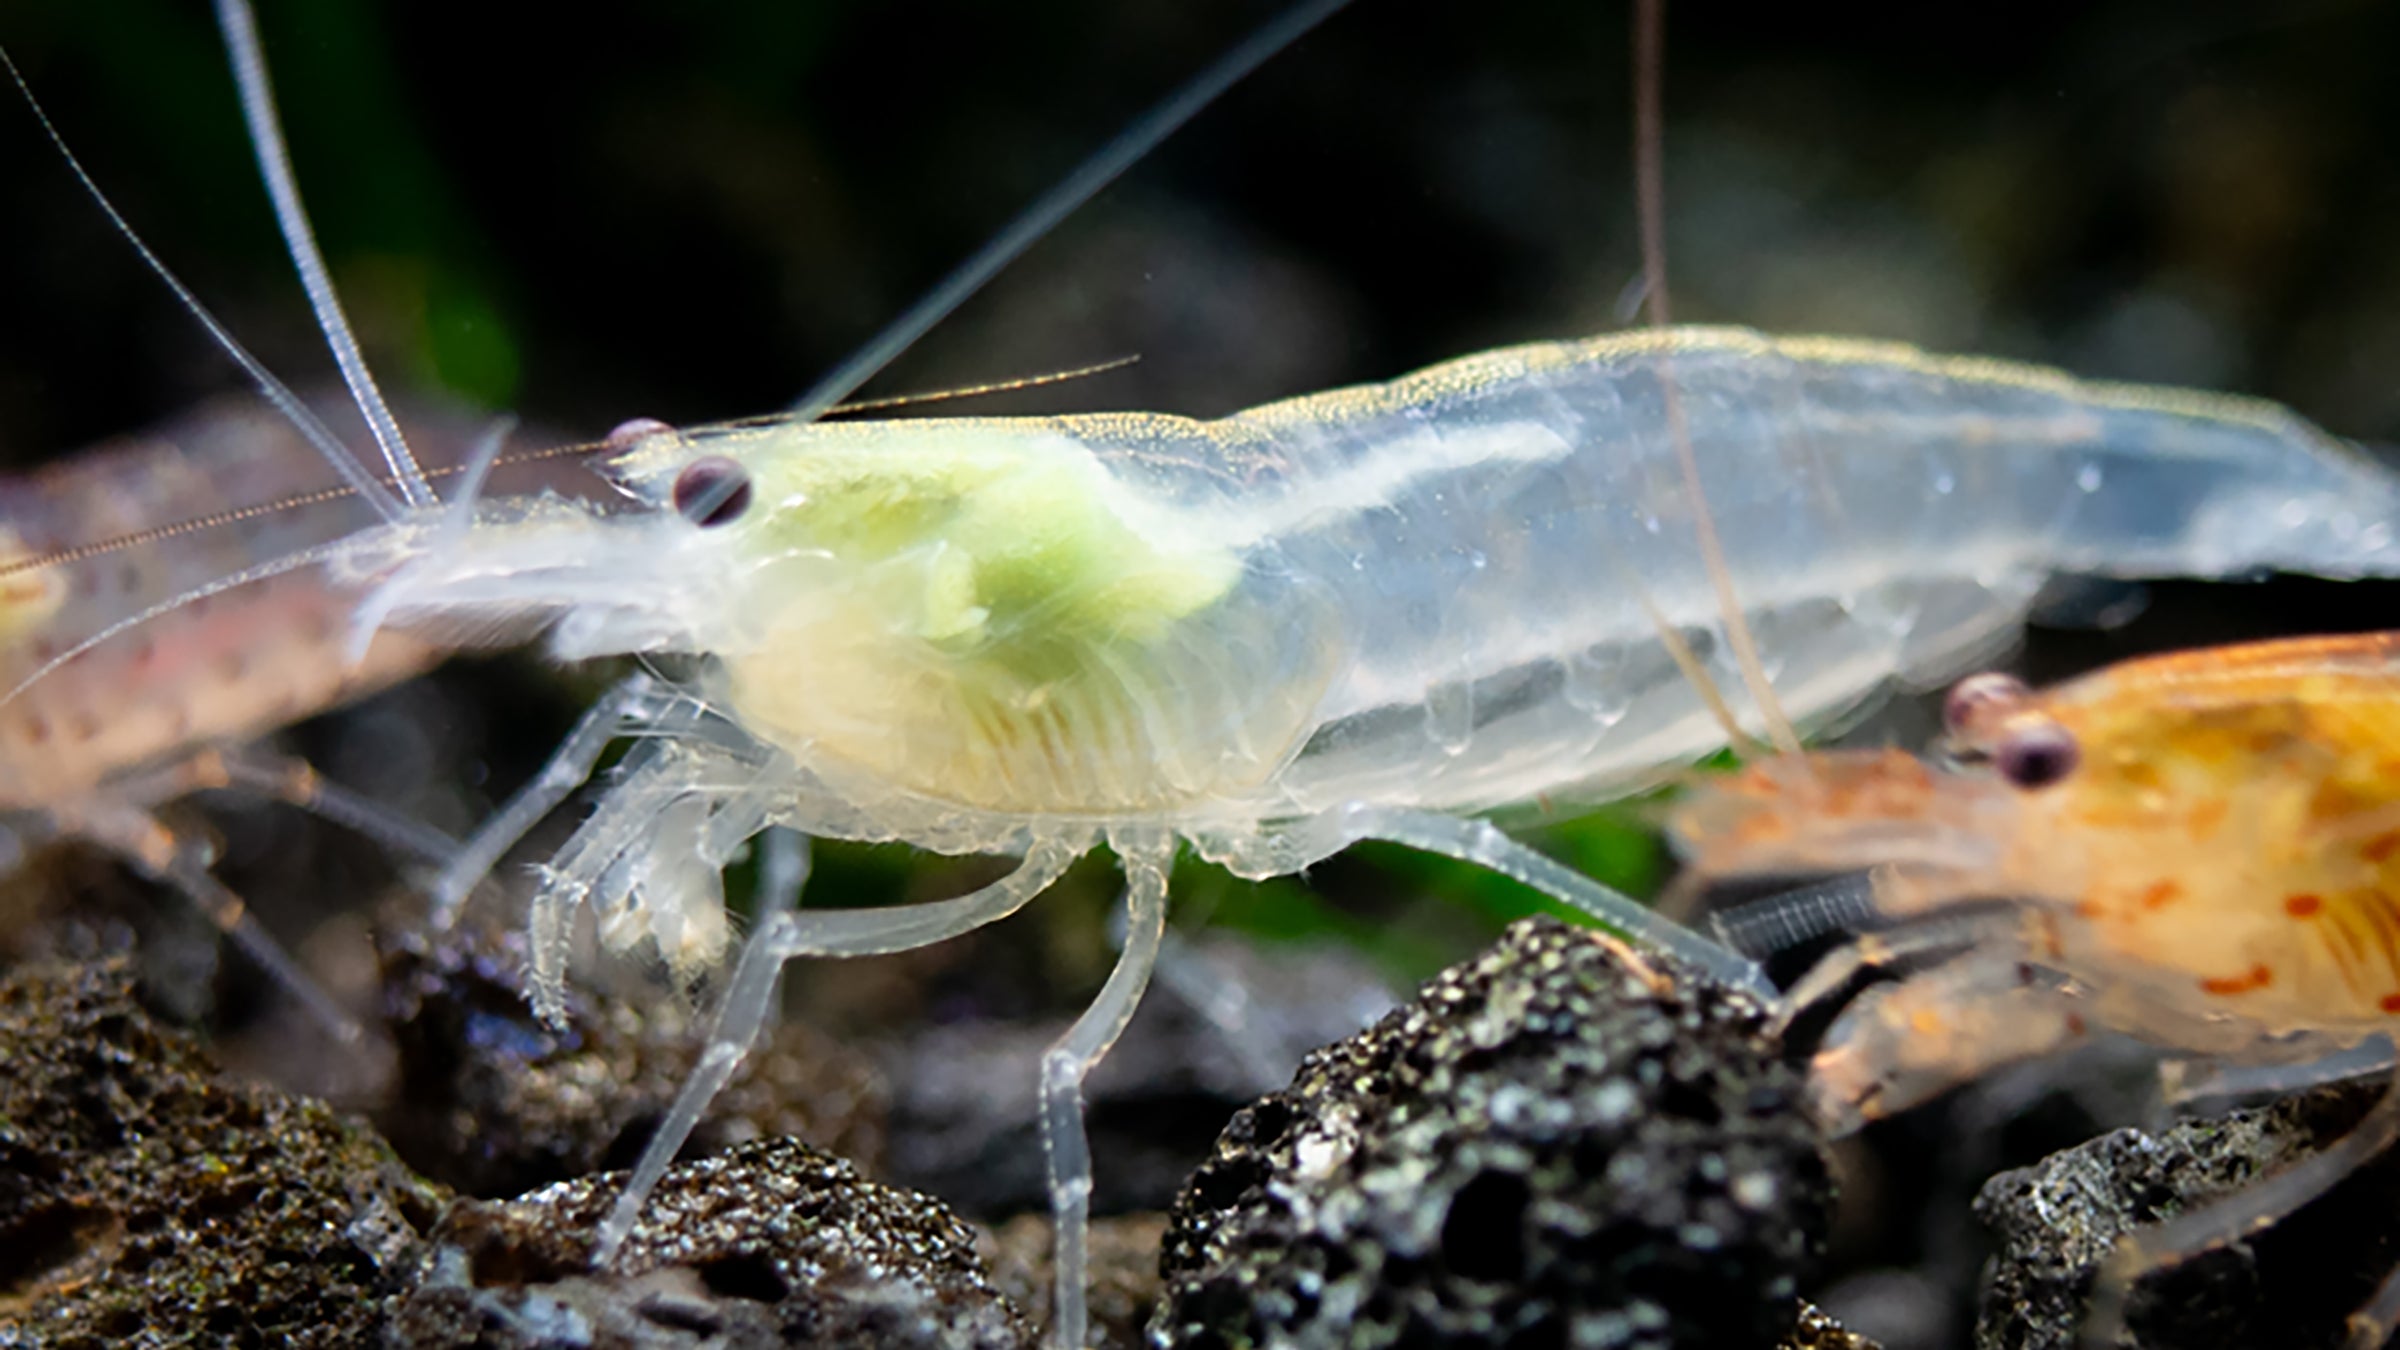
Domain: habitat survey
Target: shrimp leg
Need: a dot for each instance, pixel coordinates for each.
(296, 783)
(785, 934)
(1874, 952)
(123, 824)
(181, 859)
(636, 699)
(2373, 1324)
(1481, 843)
(1066, 1064)
(2252, 1209)
(2184, 1080)
(748, 999)
(625, 832)
(1901, 1044)
(1786, 919)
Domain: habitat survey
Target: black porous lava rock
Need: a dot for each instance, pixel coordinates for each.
(1815, 1329)
(768, 1244)
(145, 1199)
(2289, 1286)
(491, 1102)
(1558, 1143)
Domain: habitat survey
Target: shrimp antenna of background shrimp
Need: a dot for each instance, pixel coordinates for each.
(1649, 155)
(361, 480)
(1037, 220)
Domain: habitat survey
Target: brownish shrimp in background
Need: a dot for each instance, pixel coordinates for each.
(2200, 849)
(90, 751)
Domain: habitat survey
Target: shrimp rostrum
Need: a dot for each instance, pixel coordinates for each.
(2201, 850)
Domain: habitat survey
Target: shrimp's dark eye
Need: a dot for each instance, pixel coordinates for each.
(2036, 754)
(1975, 700)
(712, 491)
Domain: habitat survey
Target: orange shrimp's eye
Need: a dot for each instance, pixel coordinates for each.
(1975, 701)
(2036, 753)
(712, 491)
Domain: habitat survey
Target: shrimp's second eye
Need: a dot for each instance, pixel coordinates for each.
(629, 434)
(713, 491)
(1974, 701)
(2036, 754)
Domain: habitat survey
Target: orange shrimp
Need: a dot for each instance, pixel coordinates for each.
(2201, 850)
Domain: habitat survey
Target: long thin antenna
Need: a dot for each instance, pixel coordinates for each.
(290, 562)
(274, 390)
(275, 166)
(1649, 160)
(1010, 386)
(1037, 220)
(235, 515)
(74, 553)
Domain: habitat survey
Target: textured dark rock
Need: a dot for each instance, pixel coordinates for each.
(1815, 1330)
(491, 1102)
(2291, 1285)
(769, 1244)
(1557, 1143)
(144, 1198)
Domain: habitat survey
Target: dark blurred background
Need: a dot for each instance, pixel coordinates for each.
(692, 210)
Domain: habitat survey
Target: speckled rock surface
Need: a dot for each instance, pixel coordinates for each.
(145, 1200)
(1556, 1143)
(2290, 1285)
(488, 1100)
(1814, 1329)
(769, 1244)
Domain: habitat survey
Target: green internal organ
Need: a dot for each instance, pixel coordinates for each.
(1024, 542)
(986, 617)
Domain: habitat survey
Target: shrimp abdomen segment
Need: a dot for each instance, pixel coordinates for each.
(1490, 525)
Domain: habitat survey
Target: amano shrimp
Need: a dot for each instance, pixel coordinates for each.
(1361, 615)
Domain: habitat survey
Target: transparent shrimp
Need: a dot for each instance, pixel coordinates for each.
(2201, 850)
(1356, 616)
